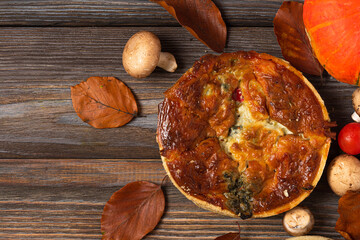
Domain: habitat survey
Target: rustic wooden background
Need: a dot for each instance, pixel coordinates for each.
(56, 172)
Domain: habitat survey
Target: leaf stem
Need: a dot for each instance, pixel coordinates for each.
(98, 102)
(164, 180)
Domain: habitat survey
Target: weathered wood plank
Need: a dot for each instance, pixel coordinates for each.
(55, 198)
(64, 198)
(125, 13)
(38, 66)
(89, 172)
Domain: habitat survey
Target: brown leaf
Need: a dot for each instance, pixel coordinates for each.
(201, 18)
(133, 211)
(229, 236)
(103, 102)
(348, 224)
(295, 45)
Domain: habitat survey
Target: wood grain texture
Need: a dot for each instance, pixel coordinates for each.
(64, 198)
(125, 13)
(38, 66)
(56, 172)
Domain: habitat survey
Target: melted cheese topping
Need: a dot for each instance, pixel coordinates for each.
(251, 139)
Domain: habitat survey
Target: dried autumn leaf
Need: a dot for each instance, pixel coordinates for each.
(133, 211)
(348, 224)
(291, 35)
(229, 236)
(103, 102)
(201, 18)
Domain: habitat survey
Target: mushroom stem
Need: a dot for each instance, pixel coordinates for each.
(355, 117)
(356, 103)
(167, 62)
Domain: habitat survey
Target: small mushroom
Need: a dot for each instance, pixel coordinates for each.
(142, 53)
(309, 238)
(344, 174)
(356, 105)
(298, 221)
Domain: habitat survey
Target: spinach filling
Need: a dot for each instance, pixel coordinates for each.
(239, 197)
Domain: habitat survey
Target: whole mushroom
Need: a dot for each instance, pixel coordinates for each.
(142, 53)
(309, 238)
(356, 105)
(298, 221)
(344, 174)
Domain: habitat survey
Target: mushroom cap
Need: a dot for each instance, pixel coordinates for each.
(298, 221)
(356, 100)
(309, 238)
(141, 54)
(344, 174)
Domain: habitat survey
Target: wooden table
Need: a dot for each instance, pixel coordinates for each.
(57, 172)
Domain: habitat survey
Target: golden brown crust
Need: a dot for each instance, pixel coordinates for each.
(299, 74)
(198, 202)
(197, 114)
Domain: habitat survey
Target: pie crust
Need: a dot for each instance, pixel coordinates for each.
(243, 134)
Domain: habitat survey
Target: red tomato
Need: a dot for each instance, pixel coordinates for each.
(237, 95)
(349, 138)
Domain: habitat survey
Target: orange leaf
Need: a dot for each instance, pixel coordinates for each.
(201, 18)
(348, 224)
(295, 45)
(133, 211)
(104, 102)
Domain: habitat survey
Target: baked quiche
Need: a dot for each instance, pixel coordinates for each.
(243, 134)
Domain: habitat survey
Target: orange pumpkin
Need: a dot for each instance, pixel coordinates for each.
(333, 27)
